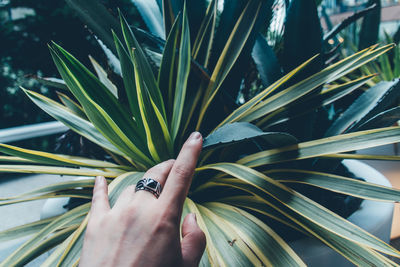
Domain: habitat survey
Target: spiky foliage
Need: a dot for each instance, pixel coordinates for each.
(239, 188)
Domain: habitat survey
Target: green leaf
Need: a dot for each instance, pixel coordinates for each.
(52, 159)
(25, 251)
(358, 255)
(230, 53)
(168, 15)
(14, 159)
(304, 207)
(222, 234)
(52, 82)
(168, 68)
(148, 75)
(25, 230)
(128, 75)
(302, 38)
(313, 102)
(370, 26)
(181, 77)
(196, 11)
(69, 185)
(102, 74)
(71, 120)
(336, 183)
(240, 111)
(266, 61)
(203, 42)
(242, 131)
(372, 101)
(211, 256)
(249, 202)
(56, 170)
(151, 15)
(311, 84)
(159, 140)
(72, 105)
(324, 146)
(271, 249)
(384, 119)
(79, 193)
(101, 106)
(362, 156)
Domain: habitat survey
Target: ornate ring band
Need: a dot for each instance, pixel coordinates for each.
(149, 185)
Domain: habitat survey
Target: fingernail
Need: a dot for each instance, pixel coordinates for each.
(195, 136)
(193, 217)
(99, 180)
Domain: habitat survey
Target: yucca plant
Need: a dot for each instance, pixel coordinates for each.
(243, 183)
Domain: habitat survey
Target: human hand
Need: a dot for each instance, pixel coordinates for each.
(141, 230)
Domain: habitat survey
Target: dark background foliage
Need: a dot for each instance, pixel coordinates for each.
(24, 52)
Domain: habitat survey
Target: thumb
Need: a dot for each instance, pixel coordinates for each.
(193, 241)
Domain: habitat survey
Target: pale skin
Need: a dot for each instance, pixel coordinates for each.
(141, 230)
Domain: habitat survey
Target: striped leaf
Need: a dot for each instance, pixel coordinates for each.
(23, 253)
(158, 137)
(71, 120)
(52, 159)
(336, 183)
(101, 106)
(304, 207)
(72, 105)
(230, 53)
(168, 68)
(324, 146)
(56, 170)
(269, 248)
(181, 76)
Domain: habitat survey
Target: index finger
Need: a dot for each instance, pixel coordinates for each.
(180, 178)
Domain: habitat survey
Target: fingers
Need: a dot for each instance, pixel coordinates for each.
(179, 179)
(158, 173)
(193, 241)
(100, 203)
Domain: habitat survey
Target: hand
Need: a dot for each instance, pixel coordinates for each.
(141, 230)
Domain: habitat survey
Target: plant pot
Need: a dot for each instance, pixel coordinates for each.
(373, 216)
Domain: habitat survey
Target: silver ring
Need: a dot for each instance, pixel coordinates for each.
(149, 185)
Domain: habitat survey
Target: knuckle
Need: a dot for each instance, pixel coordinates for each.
(98, 197)
(183, 171)
(165, 225)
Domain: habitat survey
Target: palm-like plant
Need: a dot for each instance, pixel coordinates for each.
(244, 176)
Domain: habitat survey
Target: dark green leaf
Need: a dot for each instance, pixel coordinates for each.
(302, 36)
(384, 119)
(266, 62)
(52, 82)
(168, 68)
(371, 102)
(370, 26)
(151, 15)
(242, 131)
